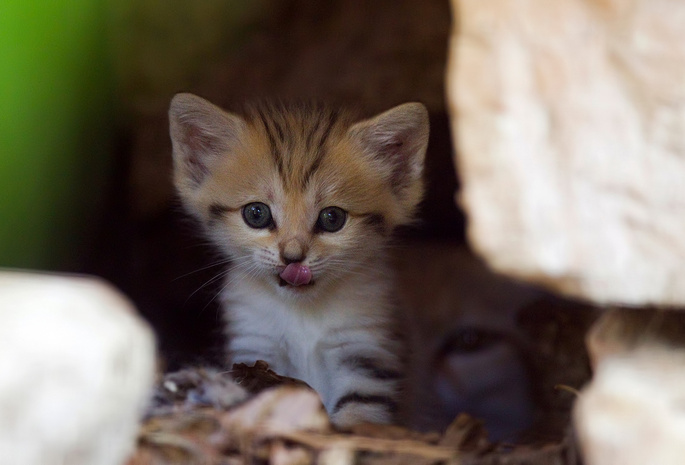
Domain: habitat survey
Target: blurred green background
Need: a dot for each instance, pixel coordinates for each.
(73, 71)
(55, 120)
(85, 155)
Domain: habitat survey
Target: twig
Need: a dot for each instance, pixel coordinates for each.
(401, 446)
(564, 387)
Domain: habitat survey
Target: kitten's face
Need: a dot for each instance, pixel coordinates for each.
(331, 224)
(298, 198)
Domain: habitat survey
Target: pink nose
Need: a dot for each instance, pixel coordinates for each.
(296, 274)
(293, 251)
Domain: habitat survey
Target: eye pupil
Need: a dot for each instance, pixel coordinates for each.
(257, 215)
(331, 219)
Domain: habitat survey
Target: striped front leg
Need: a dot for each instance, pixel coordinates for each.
(364, 386)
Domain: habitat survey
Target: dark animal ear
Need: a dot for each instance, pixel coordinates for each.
(201, 133)
(396, 141)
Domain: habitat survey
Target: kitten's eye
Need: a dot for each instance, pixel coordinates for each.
(331, 219)
(257, 215)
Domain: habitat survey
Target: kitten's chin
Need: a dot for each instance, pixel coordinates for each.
(282, 283)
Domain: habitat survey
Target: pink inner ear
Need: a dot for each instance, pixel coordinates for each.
(398, 158)
(199, 145)
(393, 151)
(198, 140)
(197, 170)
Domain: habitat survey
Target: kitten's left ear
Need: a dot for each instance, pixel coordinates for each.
(201, 134)
(397, 140)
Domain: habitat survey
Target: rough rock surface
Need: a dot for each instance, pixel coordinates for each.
(76, 369)
(632, 412)
(570, 125)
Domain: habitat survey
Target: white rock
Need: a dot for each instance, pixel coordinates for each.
(621, 331)
(76, 369)
(633, 412)
(569, 119)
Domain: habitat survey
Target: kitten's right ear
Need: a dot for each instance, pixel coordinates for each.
(201, 133)
(396, 141)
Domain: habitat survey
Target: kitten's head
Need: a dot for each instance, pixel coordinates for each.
(298, 197)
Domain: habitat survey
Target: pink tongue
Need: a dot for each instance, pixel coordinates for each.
(296, 274)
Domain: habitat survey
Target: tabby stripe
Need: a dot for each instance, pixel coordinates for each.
(332, 118)
(275, 153)
(284, 141)
(312, 169)
(355, 397)
(279, 131)
(320, 149)
(376, 221)
(216, 210)
(310, 136)
(371, 368)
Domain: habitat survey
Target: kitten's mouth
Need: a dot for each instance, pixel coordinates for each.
(295, 274)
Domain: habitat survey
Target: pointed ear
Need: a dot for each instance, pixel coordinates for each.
(396, 140)
(201, 133)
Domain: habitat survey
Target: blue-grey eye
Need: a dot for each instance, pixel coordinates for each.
(331, 219)
(257, 215)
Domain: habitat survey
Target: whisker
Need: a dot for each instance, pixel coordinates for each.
(208, 282)
(211, 265)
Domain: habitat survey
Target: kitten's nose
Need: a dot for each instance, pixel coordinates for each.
(293, 251)
(291, 259)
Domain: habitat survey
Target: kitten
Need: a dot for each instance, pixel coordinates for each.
(303, 200)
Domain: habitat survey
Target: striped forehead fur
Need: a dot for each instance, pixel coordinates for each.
(299, 136)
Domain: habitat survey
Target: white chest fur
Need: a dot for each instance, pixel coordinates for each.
(310, 340)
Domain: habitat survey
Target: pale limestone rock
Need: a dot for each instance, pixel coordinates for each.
(633, 412)
(569, 119)
(76, 369)
(620, 331)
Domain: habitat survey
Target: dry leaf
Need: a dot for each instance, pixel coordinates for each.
(260, 377)
(278, 410)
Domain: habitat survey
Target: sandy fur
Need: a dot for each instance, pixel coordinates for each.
(337, 334)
